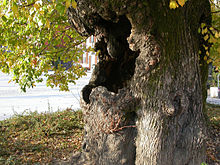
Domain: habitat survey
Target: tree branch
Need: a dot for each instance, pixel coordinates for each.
(214, 4)
(28, 5)
(215, 12)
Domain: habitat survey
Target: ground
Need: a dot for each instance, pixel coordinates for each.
(43, 138)
(213, 141)
(213, 146)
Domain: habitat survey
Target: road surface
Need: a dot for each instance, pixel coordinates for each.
(40, 98)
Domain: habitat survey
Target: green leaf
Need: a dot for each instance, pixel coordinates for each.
(30, 1)
(60, 8)
(4, 18)
(202, 25)
(4, 2)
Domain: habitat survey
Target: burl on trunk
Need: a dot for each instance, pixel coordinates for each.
(144, 103)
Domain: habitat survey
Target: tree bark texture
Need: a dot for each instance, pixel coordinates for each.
(144, 102)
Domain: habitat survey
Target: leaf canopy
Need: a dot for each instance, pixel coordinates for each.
(36, 39)
(215, 37)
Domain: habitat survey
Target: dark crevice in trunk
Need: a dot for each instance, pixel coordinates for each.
(116, 60)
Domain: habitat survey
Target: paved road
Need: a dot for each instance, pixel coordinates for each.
(40, 98)
(213, 101)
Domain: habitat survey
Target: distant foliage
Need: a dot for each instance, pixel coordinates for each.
(215, 38)
(36, 38)
(214, 81)
(211, 36)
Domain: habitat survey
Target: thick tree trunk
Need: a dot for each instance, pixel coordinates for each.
(144, 102)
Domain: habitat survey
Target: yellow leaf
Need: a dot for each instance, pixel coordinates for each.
(205, 58)
(202, 25)
(211, 28)
(216, 35)
(204, 30)
(206, 37)
(1, 14)
(42, 12)
(212, 39)
(181, 2)
(207, 53)
(4, 2)
(36, 6)
(68, 2)
(74, 4)
(15, 9)
(209, 61)
(48, 24)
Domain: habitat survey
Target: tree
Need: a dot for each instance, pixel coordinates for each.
(144, 103)
(35, 34)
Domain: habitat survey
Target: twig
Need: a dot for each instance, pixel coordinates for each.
(115, 121)
(214, 4)
(213, 12)
(28, 5)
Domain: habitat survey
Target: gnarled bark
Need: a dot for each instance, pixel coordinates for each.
(143, 104)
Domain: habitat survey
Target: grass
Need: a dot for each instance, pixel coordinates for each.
(213, 138)
(39, 138)
(213, 112)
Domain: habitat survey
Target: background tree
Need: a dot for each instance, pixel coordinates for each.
(35, 35)
(215, 37)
